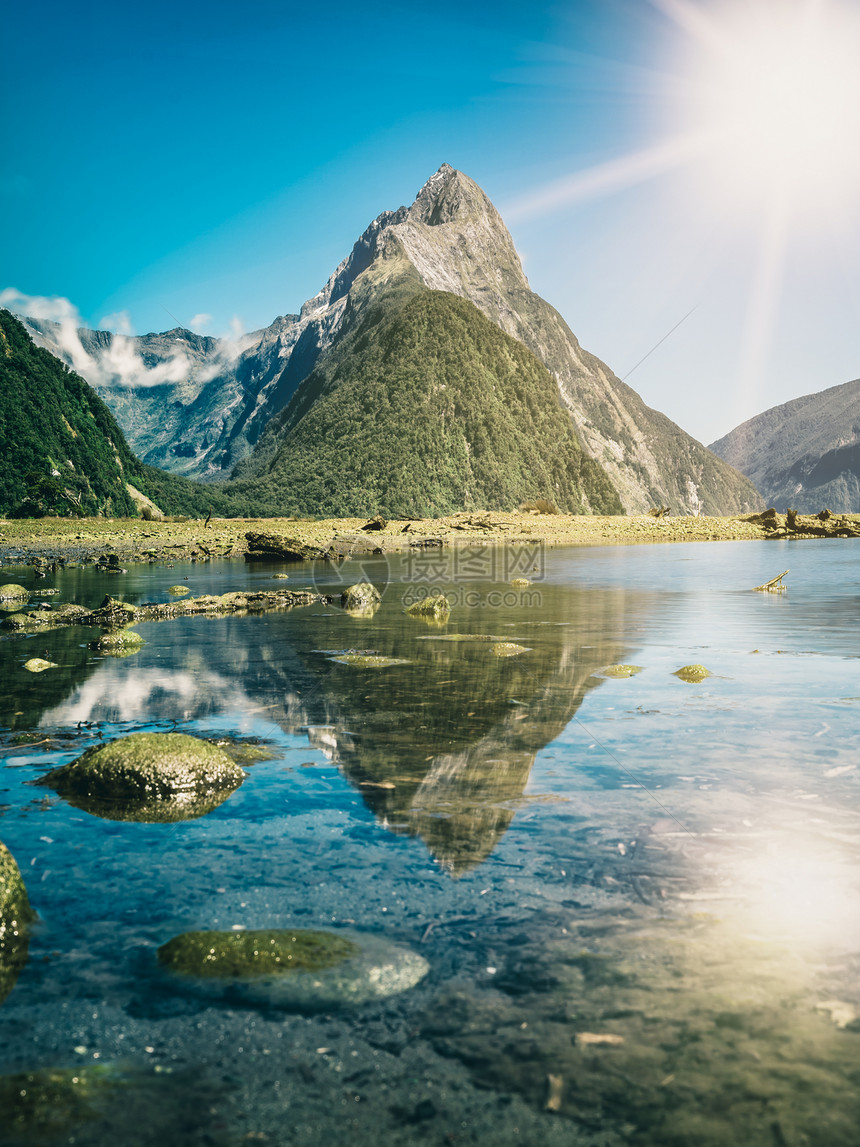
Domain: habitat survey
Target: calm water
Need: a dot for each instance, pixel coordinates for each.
(638, 897)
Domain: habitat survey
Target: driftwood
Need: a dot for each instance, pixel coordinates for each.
(774, 585)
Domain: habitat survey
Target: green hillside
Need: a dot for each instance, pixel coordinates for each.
(425, 408)
(63, 452)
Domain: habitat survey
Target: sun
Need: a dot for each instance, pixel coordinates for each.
(772, 91)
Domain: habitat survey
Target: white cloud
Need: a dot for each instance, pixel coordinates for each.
(200, 322)
(119, 321)
(120, 363)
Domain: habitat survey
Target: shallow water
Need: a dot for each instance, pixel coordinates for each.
(637, 895)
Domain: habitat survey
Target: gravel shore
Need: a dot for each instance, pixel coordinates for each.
(135, 540)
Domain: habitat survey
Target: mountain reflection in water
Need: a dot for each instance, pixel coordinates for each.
(440, 747)
(652, 937)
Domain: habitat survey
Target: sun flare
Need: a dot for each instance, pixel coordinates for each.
(775, 90)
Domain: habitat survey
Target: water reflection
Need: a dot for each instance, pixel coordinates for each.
(440, 747)
(25, 696)
(661, 945)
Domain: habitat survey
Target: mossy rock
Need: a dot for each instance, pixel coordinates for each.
(37, 1106)
(118, 642)
(460, 637)
(113, 613)
(692, 674)
(15, 918)
(246, 752)
(437, 606)
(32, 621)
(520, 582)
(508, 649)
(619, 671)
(149, 768)
(360, 596)
(368, 660)
(178, 590)
(13, 592)
(296, 969)
(39, 665)
(247, 955)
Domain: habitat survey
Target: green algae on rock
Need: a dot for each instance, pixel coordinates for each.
(147, 767)
(15, 918)
(619, 671)
(246, 752)
(118, 642)
(240, 955)
(37, 1106)
(178, 590)
(360, 596)
(508, 649)
(298, 969)
(520, 582)
(436, 606)
(460, 637)
(368, 660)
(13, 592)
(33, 620)
(692, 674)
(39, 665)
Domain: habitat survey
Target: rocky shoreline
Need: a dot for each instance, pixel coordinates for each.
(99, 540)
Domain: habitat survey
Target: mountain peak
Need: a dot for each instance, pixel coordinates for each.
(449, 196)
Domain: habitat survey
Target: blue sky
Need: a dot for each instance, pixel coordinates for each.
(220, 159)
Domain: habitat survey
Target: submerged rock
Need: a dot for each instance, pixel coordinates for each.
(39, 665)
(178, 590)
(305, 970)
(460, 637)
(15, 917)
(38, 1106)
(508, 649)
(148, 776)
(368, 660)
(692, 674)
(360, 597)
(619, 671)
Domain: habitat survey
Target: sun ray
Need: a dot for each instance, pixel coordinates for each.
(607, 178)
(763, 303)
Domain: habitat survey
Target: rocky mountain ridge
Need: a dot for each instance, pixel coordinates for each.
(803, 454)
(450, 239)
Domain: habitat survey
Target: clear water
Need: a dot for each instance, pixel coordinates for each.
(638, 896)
